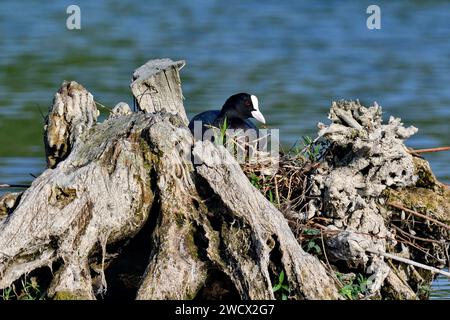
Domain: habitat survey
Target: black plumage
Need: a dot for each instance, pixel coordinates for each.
(237, 110)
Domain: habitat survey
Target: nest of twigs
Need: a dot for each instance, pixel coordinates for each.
(289, 186)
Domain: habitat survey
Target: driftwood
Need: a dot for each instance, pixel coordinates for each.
(203, 230)
(407, 261)
(366, 164)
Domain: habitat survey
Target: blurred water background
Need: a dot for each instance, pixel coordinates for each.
(296, 56)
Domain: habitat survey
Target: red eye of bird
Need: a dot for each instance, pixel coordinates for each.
(248, 103)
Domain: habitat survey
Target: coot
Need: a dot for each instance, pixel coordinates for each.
(237, 110)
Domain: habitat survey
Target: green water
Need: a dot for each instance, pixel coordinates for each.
(295, 56)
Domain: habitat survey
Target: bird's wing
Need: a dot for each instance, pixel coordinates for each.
(206, 117)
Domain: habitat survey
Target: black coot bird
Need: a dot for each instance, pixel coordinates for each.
(236, 110)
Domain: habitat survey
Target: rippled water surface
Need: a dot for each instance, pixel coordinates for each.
(295, 56)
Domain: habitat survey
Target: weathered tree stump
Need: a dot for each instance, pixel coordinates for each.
(102, 182)
(156, 87)
(210, 233)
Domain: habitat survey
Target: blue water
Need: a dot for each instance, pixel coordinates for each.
(296, 56)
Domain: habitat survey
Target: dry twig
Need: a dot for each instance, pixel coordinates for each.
(417, 151)
(398, 206)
